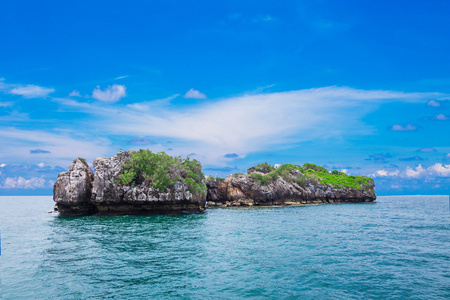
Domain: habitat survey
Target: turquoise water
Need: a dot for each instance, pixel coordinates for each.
(397, 248)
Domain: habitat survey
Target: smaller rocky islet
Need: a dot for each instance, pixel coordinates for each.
(143, 182)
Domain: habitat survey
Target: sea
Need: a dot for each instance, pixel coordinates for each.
(395, 248)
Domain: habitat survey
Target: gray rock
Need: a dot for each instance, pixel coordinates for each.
(73, 188)
(245, 191)
(105, 189)
(79, 192)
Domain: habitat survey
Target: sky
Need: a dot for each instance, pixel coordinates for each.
(362, 87)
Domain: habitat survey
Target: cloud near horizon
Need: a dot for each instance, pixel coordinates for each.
(436, 170)
(22, 183)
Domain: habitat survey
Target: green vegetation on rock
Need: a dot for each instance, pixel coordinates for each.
(283, 171)
(162, 170)
(311, 173)
(308, 166)
(264, 167)
(339, 179)
(211, 178)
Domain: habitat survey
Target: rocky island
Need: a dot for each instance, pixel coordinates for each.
(289, 184)
(142, 182)
(132, 182)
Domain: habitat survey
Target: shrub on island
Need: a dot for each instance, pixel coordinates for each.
(310, 173)
(162, 170)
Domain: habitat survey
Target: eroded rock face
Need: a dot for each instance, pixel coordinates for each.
(73, 188)
(243, 190)
(107, 169)
(106, 195)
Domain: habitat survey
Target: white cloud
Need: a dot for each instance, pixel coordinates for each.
(121, 77)
(448, 155)
(2, 165)
(408, 127)
(247, 123)
(442, 117)
(41, 165)
(345, 171)
(440, 170)
(437, 169)
(75, 93)
(31, 91)
(195, 94)
(22, 183)
(384, 173)
(410, 172)
(111, 94)
(252, 123)
(433, 103)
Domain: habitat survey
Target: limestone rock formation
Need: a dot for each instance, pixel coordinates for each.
(103, 193)
(143, 182)
(294, 188)
(73, 188)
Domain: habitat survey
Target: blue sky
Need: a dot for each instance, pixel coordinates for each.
(360, 86)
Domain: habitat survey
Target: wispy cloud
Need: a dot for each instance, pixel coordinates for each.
(5, 104)
(408, 127)
(250, 123)
(25, 90)
(31, 91)
(121, 77)
(154, 104)
(442, 117)
(194, 94)
(74, 93)
(111, 94)
(62, 148)
(433, 103)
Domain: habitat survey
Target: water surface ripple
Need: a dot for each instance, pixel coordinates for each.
(397, 248)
